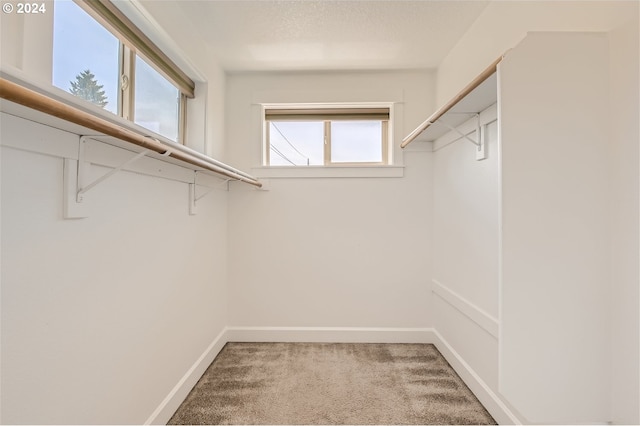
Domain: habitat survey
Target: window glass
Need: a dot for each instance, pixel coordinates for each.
(356, 141)
(296, 143)
(156, 101)
(326, 135)
(85, 56)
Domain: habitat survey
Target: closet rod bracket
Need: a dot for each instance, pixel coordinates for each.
(194, 197)
(464, 135)
(479, 141)
(75, 174)
(83, 166)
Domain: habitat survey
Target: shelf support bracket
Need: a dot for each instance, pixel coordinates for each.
(75, 173)
(194, 197)
(83, 166)
(479, 142)
(455, 129)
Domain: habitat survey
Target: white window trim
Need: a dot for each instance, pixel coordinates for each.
(333, 170)
(106, 13)
(377, 171)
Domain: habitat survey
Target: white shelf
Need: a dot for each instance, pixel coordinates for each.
(482, 97)
(48, 105)
(475, 97)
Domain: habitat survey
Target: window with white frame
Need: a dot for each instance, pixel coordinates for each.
(326, 135)
(101, 57)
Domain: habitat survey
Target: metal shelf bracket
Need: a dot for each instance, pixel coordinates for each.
(194, 197)
(76, 173)
(83, 169)
(479, 142)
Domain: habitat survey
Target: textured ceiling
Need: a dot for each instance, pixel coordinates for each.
(322, 35)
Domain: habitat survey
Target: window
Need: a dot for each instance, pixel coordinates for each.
(325, 136)
(101, 57)
(156, 101)
(86, 66)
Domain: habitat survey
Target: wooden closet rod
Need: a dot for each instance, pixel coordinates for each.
(21, 95)
(457, 98)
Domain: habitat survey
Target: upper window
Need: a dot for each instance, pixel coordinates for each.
(156, 101)
(85, 57)
(325, 136)
(101, 57)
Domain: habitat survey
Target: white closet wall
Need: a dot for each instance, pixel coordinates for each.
(329, 252)
(554, 343)
(551, 215)
(465, 276)
(102, 316)
(624, 45)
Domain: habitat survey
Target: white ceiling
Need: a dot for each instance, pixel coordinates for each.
(280, 35)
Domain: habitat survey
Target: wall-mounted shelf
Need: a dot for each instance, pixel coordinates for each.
(31, 101)
(20, 100)
(478, 95)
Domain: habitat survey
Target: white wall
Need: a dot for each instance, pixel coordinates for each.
(27, 41)
(499, 28)
(342, 252)
(625, 210)
(466, 206)
(97, 347)
(502, 24)
(102, 316)
(555, 232)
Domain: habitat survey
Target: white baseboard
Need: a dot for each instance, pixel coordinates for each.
(330, 334)
(500, 412)
(492, 402)
(170, 404)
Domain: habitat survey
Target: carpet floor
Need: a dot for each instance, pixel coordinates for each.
(330, 383)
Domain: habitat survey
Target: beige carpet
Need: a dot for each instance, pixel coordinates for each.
(330, 383)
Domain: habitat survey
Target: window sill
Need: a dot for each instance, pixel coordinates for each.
(275, 172)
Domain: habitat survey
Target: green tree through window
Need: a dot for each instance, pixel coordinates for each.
(86, 87)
